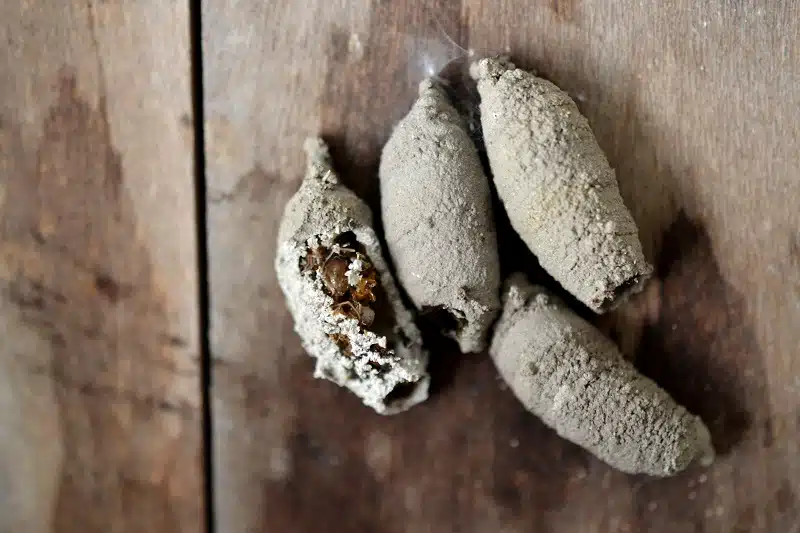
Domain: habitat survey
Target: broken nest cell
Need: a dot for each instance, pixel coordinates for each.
(345, 304)
(347, 276)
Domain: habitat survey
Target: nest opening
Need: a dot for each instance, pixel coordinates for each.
(400, 392)
(619, 292)
(445, 319)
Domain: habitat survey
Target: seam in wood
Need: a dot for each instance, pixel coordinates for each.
(198, 112)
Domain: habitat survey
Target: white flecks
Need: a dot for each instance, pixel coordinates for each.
(702, 479)
(692, 495)
(514, 443)
(378, 453)
(354, 271)
(652, 506)
(355, 48)
(279, 464)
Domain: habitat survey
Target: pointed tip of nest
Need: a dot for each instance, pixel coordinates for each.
(490, 67)
(318, 158)
(316, 149)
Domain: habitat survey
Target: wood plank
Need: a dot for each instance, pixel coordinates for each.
(100, 426)
(696, 106)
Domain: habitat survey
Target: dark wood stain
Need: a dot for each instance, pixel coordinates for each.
(702, 346)
(329, 474)
(174, 340)
(471, 447)
(93, 294)
(794, 249)
(254, 186)
(768, 432)
(111, 289)
(702, 350)
(564, 10)
(745, 520)
(786, 499)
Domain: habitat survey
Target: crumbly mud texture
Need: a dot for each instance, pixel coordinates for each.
(568, 374)
(560, 193)
(437, 219)
(344, 301)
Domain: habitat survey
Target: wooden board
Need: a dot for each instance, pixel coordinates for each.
(100, 426)
(696, 105)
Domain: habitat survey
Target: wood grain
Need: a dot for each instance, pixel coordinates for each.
(696, 107)
(99, 382)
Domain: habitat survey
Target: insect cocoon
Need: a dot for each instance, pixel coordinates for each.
(568, 374)
(437, 219)
(560, 193)
(344, 302)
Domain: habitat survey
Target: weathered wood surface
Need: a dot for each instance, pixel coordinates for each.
(100, 426)
(696, 105)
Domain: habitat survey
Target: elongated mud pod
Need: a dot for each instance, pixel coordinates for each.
(344, 301)
(568, 374)
(437, 219)
(560, 193)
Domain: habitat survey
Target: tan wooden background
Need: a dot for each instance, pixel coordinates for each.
(101, 398)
